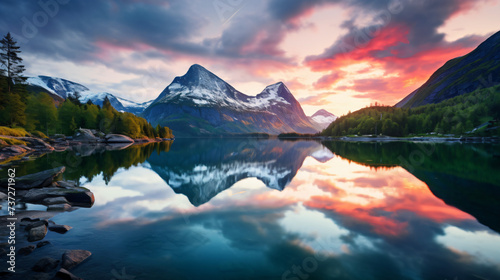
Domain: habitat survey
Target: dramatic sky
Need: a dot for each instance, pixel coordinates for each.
(339, 55)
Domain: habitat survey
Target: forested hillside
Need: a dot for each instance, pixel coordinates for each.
(457, 116)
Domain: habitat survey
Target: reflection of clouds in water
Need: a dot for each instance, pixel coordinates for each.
(484, 245)
(320, 233)
(365, 224)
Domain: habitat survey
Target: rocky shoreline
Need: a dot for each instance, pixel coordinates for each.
(91, 139)
(43, 188)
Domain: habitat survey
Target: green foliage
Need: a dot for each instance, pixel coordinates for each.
(457, 116)
(36, 111)
(39, 134)
(10, 60)
(41, 113)
(93, 165)
(106, 119)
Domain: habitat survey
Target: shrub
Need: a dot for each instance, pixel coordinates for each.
(16, 132)
(39, 134)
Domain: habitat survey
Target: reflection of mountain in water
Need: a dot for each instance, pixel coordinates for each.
(200, 169)
(464, 176)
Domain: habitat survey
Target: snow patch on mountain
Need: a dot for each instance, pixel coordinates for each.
(65, 88)
(322, 119)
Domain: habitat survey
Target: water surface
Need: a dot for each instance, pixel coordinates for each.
(271, 209)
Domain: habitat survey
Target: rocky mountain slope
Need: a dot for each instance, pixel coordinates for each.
(478, 69)
(200, 103)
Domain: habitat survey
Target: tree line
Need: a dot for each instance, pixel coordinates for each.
(39, 112)
(457, 115)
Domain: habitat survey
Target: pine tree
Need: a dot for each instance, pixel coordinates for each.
(11, 61)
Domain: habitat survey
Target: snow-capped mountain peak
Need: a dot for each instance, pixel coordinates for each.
(65, 88)
(322, 118)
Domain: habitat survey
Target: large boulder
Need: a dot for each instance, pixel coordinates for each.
(118, 138)
(72, 258)
(76, 196)
(85, 135)
(37, 180)
(37, 232)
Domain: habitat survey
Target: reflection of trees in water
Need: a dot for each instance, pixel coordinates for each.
(462, 175)
(90, 161)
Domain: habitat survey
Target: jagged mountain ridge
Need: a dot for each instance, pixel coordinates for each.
(478, 69)
(64, 88)
(201, 103)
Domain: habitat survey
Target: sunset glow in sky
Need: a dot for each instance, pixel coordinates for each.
(332, 54)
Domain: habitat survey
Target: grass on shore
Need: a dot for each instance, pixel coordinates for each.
(16, 132)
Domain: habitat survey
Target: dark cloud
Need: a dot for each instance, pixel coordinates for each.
(74, 30)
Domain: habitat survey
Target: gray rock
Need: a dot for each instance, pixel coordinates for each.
(66, 184)
(37, 231)
(76, 196)
(118, 138)
(37, 144)
(63, 274)
(45, 264)
(59, 207)
(54, 200)
(37, 180)
(26, 250)
(72, 258)
(60, 228)
(84, 135)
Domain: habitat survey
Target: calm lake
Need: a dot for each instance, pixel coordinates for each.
(272, 209)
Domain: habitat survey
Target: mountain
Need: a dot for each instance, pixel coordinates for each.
(322, 119)
(218, 165)
(64, 88)
(478, 69)
(200, 103)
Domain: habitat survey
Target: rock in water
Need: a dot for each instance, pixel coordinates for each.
(63, 274)
(60, 228)
(84, 135)
(54, 200)
(26, 250)
(76, 196)
(36, 231)
(59, 207)
(72, 258)
(45, 264)
(37, 180)
(118, 138)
